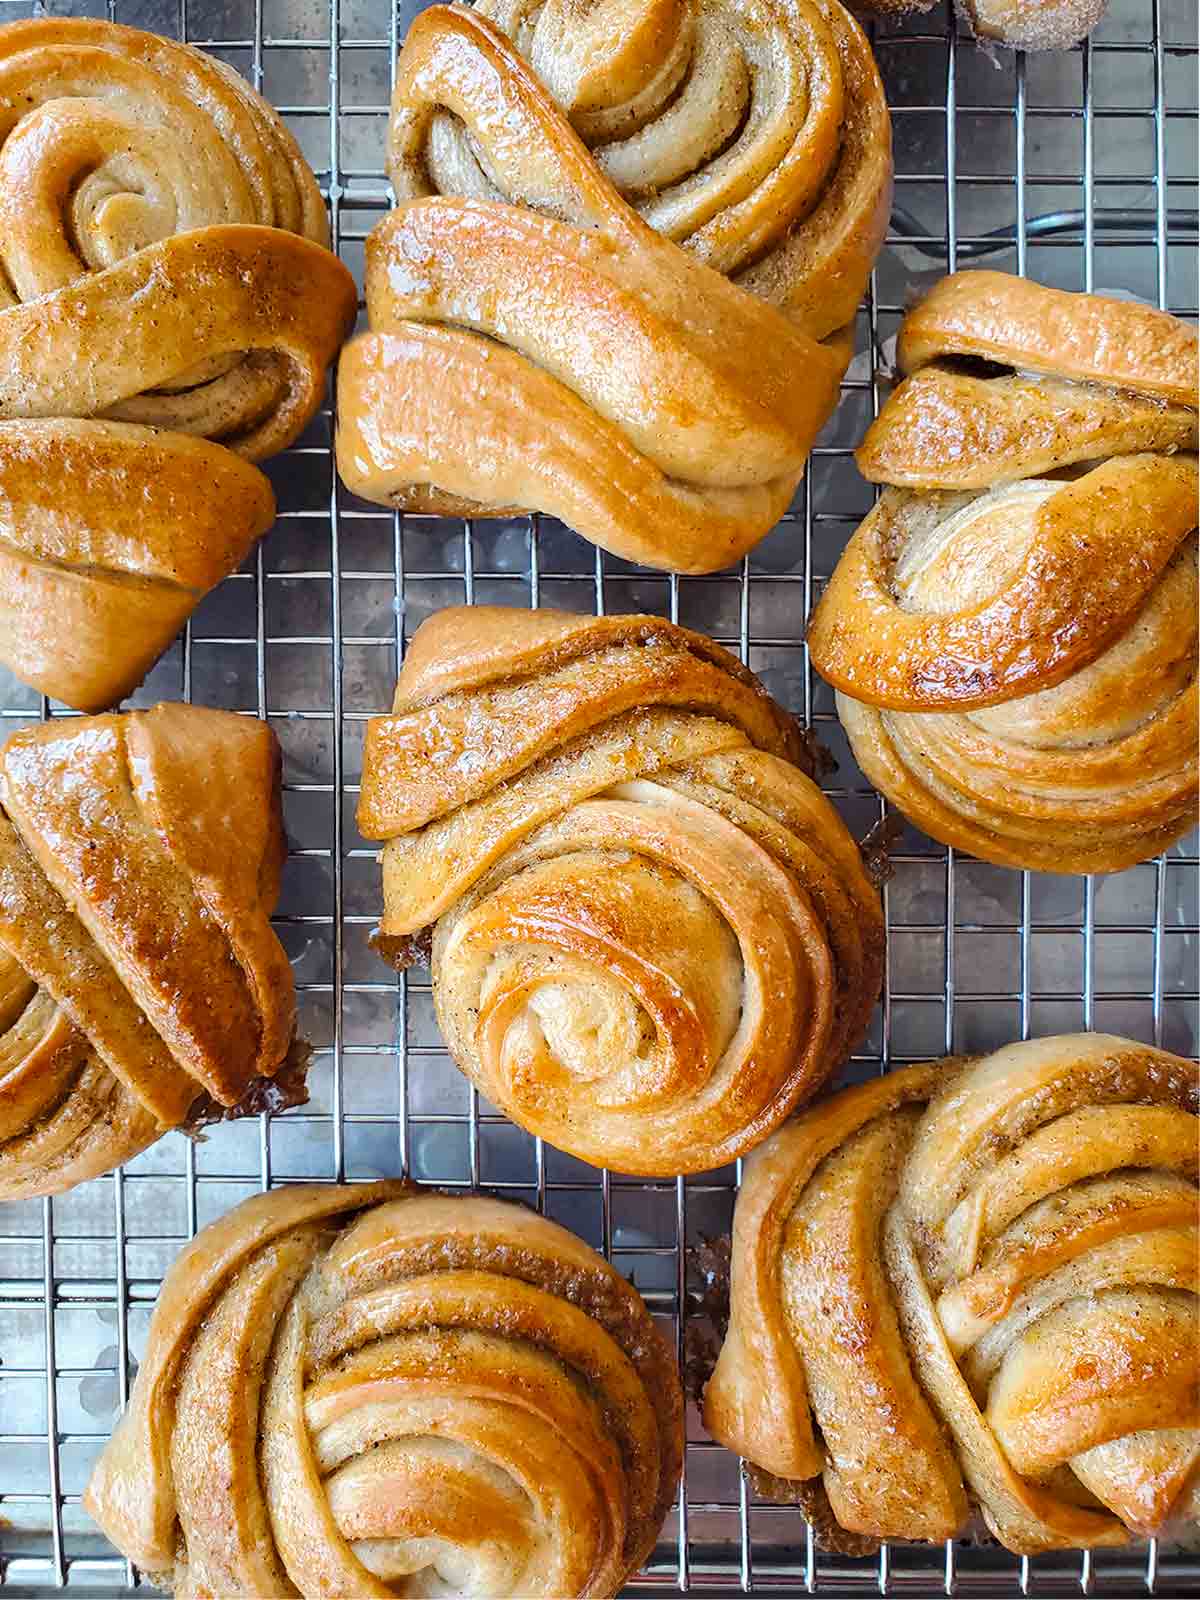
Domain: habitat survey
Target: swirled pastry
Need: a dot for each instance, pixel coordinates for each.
(979, 1281)
(755, 132)
(652, 935)
(164, 283)
(139, 863)
(1012, 630)
(538, 346)
(378, 1391)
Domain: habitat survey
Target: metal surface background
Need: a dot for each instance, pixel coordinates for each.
(1077, 168)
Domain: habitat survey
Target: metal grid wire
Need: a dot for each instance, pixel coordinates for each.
(1078, 168)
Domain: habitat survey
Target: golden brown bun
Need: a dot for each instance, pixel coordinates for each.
(164, 281)
(1018, 24)
(139, 864)
(1012, 630)
(347, 1387)
(653, 935)
(1090, 337)
(1033, 24)
(755, 132)
(979, 1281)
(536, 345)
(95, 581)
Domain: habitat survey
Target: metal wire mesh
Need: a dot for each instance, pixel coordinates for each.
(1078, 168)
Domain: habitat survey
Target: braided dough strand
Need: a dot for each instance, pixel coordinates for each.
(1089, 338)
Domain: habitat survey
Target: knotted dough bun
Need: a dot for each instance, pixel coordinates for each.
(652, 934)
(140, 857)
(536, 345)
(979, 1281)
(168, 309)
(380, 1391)
(1012, 631)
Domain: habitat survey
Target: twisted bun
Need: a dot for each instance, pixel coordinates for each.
(652, 934)
(139, 863)
(755, 132)
(539, 347)
(980, 1279)
(1012, 630)
(162, 267)
(367, 1390)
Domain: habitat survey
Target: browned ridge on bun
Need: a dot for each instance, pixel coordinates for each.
(974, 1283)
(168, 310)
(375, 1390)
(139, 863)
(537, 345)
(652, 936)
(1012, 631)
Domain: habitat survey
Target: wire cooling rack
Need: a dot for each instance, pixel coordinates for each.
(1077, 168)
